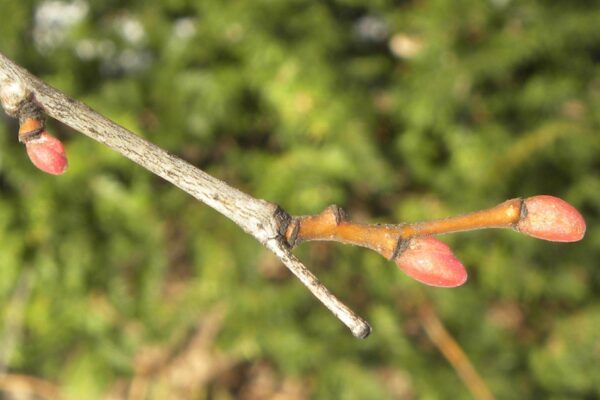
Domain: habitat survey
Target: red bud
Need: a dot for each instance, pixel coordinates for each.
(551, 218)
(431, 262)
(47, 153)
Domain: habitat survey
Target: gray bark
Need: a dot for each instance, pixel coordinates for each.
(261, 219)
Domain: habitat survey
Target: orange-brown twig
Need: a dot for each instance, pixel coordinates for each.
(387, 240)
(427, 259)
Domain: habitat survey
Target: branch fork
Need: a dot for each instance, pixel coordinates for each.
(428, 260)
(410, 246)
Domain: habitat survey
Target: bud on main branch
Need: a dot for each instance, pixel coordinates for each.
(431, 262)
(47, 153)
(427, 259)
(44, 150)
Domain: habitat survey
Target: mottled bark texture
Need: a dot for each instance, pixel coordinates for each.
(262, 219)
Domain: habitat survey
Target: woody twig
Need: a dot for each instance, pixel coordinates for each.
(429, 261)
(261, 219)
(410, 246)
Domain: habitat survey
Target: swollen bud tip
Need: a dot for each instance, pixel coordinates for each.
(431, 262)
(551, 218)
(47, 153)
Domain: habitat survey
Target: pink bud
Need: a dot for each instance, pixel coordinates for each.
(47, 153)
(551, 218)
(431, 262)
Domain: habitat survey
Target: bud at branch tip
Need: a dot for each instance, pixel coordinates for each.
(550, 218)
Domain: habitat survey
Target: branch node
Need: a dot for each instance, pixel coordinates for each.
(400, 247)
(283, 221)
(30, 109)
(291, 233)
(13, 95)
(337, 212)
(31, 120)
(522, 213)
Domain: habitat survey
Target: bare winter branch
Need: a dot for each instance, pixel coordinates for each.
(410, 246)
(262, 219)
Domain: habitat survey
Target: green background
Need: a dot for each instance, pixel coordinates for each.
(394, 110)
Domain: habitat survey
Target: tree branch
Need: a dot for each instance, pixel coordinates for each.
(429, 260)
(264, 220)
(543, 217)
(387, 239)
(425, 259)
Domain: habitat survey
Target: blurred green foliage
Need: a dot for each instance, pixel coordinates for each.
(395, 110)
